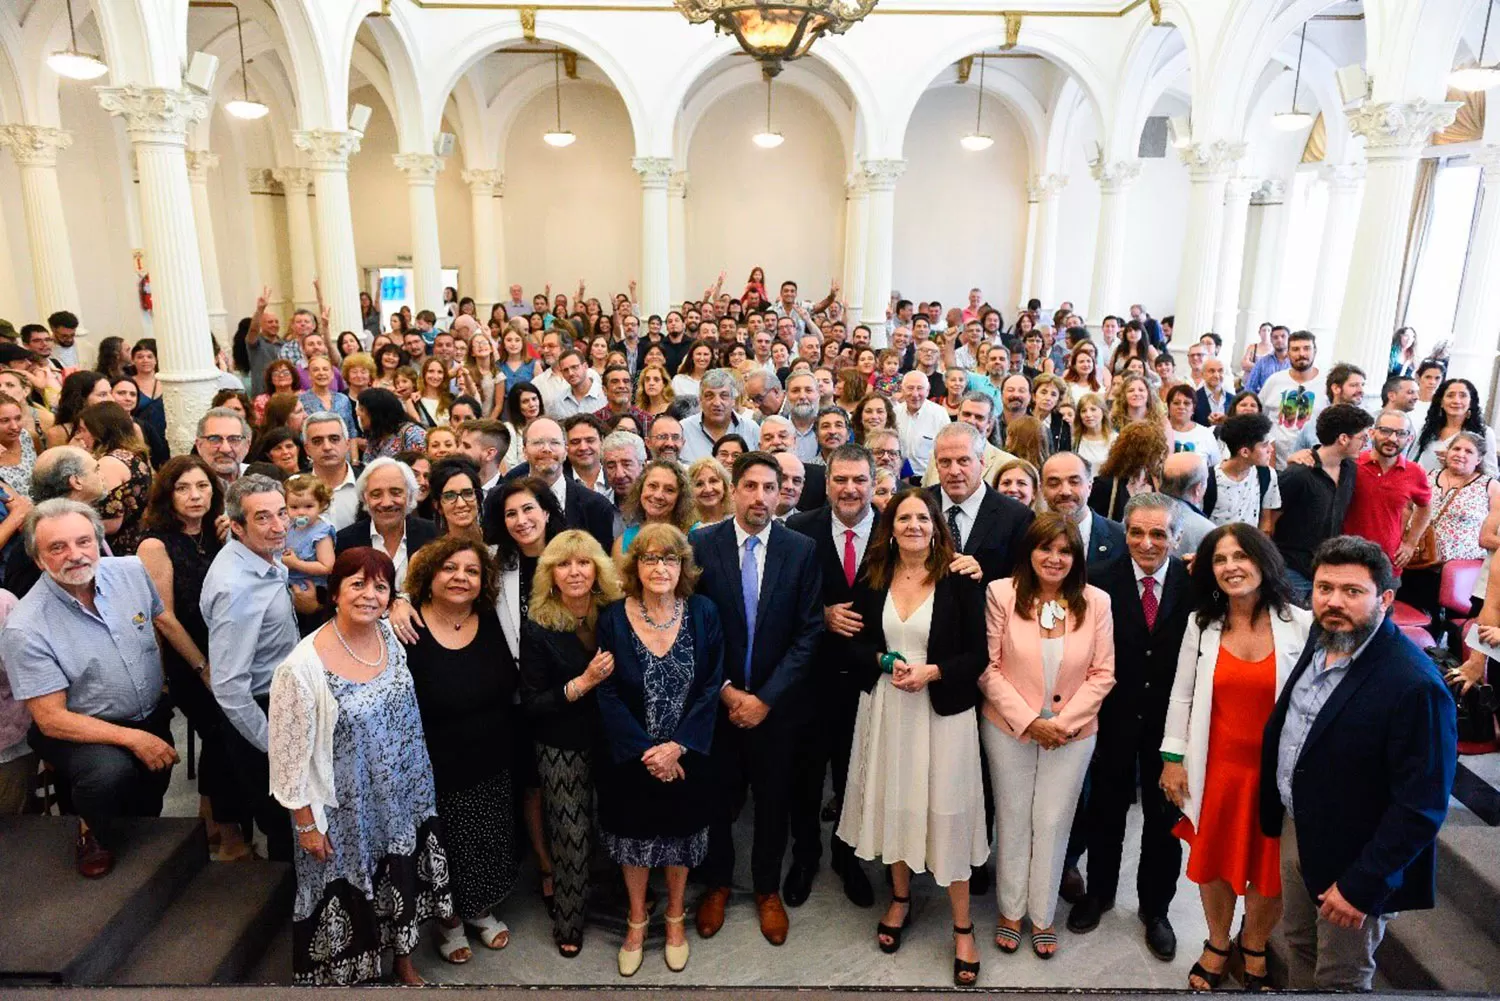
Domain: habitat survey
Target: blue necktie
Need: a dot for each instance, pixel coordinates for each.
(750, 585)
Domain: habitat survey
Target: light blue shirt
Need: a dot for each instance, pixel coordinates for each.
(1264, 369)
(1309, 694)
(252, 627)
(106, 660)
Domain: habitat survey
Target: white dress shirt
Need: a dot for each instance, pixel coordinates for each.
(968, 513)
(560, 491)
(917, 430)
(343, 507)
(1160, 577)
(861, 530)
(1085, 528)
(399, 557)
(764, 535)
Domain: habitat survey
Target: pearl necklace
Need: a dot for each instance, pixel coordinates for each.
(350, 650)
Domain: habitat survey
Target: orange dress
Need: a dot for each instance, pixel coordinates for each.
(1228, 844)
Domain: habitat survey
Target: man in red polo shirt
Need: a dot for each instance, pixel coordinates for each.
(1386, 483)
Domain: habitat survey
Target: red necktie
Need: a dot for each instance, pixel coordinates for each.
(1148, 600)
(850, 563)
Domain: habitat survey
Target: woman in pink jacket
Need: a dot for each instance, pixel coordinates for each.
(1052, 661)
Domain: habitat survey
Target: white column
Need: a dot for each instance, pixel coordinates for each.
(199, 163)
(1267, 219)
(1475, 327)
(421, 170)
(35, 148)
(486, 285)
(296, 184)
(1209, 166)
(656, 249)
(1044, 267)
(156, 121)
(328, 152)
(1028, 263)
(1344, 182)
(677, 189)
(856, 207)
(1232, 262)
(880, 240)
(1395, 134)
(1109, 248)
(265, 191)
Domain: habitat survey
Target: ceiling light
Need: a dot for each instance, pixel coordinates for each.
(1290, 121)
(559, 136)
(73, 64)
(978, 140)
(777, 30)
(248, 110)
(244, 107)
(976, 143)
(770, 138)
(1477, 76)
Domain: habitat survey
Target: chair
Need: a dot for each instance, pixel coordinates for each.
(1455, 599)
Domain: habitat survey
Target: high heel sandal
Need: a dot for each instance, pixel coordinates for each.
(1046, 936)
(965, 973)
(1007, 940)
(677, 955)
(630, 959)
(893, 933)
(1254, 984)
(1212, 979)
(549, 901)
(569, 946)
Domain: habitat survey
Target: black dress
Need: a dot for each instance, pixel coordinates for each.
(467, 699)
(191, 557)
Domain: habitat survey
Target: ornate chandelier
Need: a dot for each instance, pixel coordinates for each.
(774, 31)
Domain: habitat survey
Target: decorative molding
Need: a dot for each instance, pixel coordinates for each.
(480, 178)
(1347, 176)
(528, 23)
(1114, 175)
(1488, 159)
(298, 179)
(1045, 187)
(34, 145)
(881, 175)
(655, 171)
(854, 185)
(1272, 191)
(570, 64)
(263, 181)
(420, 168)
(156, 114)
(1401, 127)
(328, 149)
(1012, 30)
(677, 186)
(1210, 158)
(965, 67)
(1239, 189)
(199, 163)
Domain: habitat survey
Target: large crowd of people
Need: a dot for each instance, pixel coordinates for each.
(571, 582)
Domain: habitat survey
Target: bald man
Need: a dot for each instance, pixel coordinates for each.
(918, 420)
(793, 478)
(1184, 477)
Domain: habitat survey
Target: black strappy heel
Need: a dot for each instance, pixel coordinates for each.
(1254, 984)
(894, 934)
(965, 973)
(1213, 980)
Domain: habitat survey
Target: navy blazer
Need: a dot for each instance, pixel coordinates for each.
(1201, 409)
(956, 642)
(1371, 785)
(789, 614)
(1145, 658)
(995, 537)
(833, 649)
(1106, 542)
(419, 532)
(622, 695)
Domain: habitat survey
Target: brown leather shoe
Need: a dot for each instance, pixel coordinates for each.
(94, 860)
(773, 919)
(711, 911)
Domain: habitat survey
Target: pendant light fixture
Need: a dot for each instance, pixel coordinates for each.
(768, 139)
(559, 136)
(244, 107)
(978, 140)
(1291, 121)
(1477, 76)
(72, 63)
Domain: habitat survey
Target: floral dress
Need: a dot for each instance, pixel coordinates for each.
(127, 502)
(411, 438)
(18, 477)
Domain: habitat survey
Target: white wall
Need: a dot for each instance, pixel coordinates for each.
(1078, 229)
(960, 216)
(1157, 207)
(781, 209)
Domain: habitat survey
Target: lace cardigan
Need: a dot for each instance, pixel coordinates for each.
(302, 719)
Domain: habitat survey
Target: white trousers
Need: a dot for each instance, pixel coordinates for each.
(1036, 794)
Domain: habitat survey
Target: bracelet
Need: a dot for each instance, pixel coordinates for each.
(1171, 759)
(888, 661)
(568, 691)
(306, 828)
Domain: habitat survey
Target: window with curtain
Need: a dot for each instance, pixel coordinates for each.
(1444, 248)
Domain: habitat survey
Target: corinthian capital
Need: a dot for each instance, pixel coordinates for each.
(1045, 186)
(263, 181)
(655, 171)
(481, 178)
(1400, 126)
(157, 114)
(1113, 175)
(1208, 158)
(34, 145)
(881, 175)
(1272, 191)
(1343, 175)
(328, 149)
(199, 163)
(419, 168)
(295, 179)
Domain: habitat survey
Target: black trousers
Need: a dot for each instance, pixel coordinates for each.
(1119, 768)
(826, 740)
(216, 778)
(252, 767)
(758, 760)
(106, 782)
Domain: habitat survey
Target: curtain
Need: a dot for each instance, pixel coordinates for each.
(1317, 141)
(1468, 124)
(1416, 233)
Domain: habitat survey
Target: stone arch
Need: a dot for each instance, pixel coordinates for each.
(746, 73)
(394, 76)
(1157, 58)
(517, 94)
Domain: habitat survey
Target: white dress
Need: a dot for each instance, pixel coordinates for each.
(915, 792)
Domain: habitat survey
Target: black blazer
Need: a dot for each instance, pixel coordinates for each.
(789, 614)
(585, 510)
(1106, 543)
(833, 650)
(549, 660)
(814, 489)
(995, 537)
(419, 532)
(1371, 784)
(1201, 409)
(956, 644)
(1145, 659)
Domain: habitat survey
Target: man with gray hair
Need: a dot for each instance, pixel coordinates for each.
(82, 655)
(252, 628)
(977, 410)
(918, 420)
(802, 412)
(1184, 478)
(223, 442)
(717, 395)
(387, 498)
(763, 390)
(985, 523)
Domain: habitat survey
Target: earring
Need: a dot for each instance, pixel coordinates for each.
(1217, 595)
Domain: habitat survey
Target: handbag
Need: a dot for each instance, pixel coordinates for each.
(1476, 713)
(1427, 548)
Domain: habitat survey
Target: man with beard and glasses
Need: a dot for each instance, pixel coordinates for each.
(665, 438)
(81, 652)
(1356, 768)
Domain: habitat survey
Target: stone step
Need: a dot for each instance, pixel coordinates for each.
(56, 926)
(218, 929)
(1469, 869)
(275, 964)
(1439, 950)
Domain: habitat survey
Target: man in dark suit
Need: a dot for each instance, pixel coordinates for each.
(584, 509)
(765, 581)
(986, 524)
(841, 532)
(1357, 765)
(1211, 400)
(1066, 483)
(1149, 592)
(387, 496)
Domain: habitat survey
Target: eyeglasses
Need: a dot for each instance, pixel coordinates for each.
(219, 440)
(466, 495)
(885, 453)
(1393, 432)
(659, 560)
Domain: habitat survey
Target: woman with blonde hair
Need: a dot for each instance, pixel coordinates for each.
(653, 392)
(710, 484)
(561, 666)
(658, 707)
(1026, 438)
(1134, 400)
(1133, 467)
(661, 495)
(1019, 480)
(359, 374)
(434, 397)
(1093, 434)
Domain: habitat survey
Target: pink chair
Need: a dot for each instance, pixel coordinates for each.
(1455, 591)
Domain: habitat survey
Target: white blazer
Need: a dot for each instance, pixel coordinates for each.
(508, 607)
(1191, 707)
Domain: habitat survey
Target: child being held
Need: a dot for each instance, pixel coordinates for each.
(309, 540)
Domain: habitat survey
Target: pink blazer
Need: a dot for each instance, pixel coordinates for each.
(1013, 683)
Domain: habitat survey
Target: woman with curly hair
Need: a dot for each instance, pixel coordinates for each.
(653, 392)
(387, 427)
(1456, 406)
(1133, 467)
(80, 389)
(281, 377)
(662, 495)
(109, 433)
(1134, 401)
